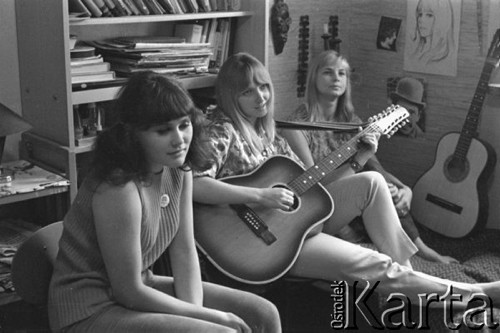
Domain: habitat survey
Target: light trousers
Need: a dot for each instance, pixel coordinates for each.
(327, 257)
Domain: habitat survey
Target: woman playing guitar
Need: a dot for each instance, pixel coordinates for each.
(244, 138)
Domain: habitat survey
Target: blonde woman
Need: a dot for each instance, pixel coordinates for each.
(243, 137)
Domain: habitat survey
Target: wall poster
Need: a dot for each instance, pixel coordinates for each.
(432, 31)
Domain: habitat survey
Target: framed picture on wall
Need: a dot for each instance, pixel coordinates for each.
(431, 43)
(388, 31)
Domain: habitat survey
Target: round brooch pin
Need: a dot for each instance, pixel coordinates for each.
(164, 200)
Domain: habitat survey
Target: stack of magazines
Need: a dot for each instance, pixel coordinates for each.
(161, 54)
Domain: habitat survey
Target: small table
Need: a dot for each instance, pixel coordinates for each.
(29, 181)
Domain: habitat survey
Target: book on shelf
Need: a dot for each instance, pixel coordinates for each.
(191, 5)
(211, 31)
(161, 61)
(178, 8)
(222, 5)
(115, 11)
(92, 7)
(225, 5)
(86, 60)
(213, 5)
(109, 46)
(217, 40)
(177, 57)
(191, 32)
(147, 42)
(132, 7)
(164, 55)
(90, 68)
(112, 7)
(223, 46)
(82, 52)
(227, 40)
(92, 77)
(106, 12)
(234, 5)
(77, 6)
(142, 7)
(122, 7)
(154, 7)
(204, 31)
(168, 6)
(125, 70)
(182, 6)
(204, 6)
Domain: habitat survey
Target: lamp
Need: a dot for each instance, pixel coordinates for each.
(10, 123)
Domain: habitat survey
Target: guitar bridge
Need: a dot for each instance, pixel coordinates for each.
(254, 223)
(444, 203)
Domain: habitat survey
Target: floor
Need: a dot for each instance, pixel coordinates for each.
(304, 309)
(21, 317)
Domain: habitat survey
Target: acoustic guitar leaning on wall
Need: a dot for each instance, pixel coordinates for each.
(451, 197)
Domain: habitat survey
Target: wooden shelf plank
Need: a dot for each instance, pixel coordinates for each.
(159, 18)
(108, 94)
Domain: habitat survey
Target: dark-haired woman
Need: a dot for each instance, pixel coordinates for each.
(136, 203)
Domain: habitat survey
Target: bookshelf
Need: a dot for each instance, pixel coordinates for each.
(44, 27)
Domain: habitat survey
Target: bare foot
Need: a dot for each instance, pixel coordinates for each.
(492, 289)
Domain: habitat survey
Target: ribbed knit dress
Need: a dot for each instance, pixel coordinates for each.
(80, 286)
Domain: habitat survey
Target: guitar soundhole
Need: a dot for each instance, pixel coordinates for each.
(295, 199)
(456, 169)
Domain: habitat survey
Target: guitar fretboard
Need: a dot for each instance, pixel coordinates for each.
(317, 172)
(469, 130)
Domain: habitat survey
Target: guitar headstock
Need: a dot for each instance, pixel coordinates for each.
(390, 120)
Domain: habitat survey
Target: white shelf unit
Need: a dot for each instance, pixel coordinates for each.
(44, 27)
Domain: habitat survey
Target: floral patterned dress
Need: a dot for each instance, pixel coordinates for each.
(233, 155)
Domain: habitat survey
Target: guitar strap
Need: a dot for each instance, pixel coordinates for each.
(337, 126)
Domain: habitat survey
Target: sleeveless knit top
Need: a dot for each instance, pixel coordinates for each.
(80, 286)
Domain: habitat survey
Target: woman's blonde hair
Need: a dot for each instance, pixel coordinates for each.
(235, 76)
(345, 108)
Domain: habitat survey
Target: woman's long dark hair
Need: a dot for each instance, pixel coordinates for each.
(148, 99)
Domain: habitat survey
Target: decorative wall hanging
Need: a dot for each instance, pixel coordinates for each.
(303, 55)
(432, 31)
(330, 34)
(280, 24)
